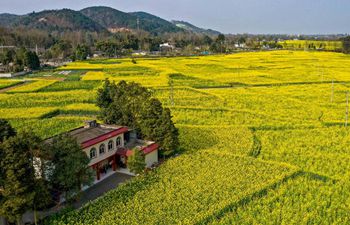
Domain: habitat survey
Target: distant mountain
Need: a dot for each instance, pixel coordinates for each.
(109, 17)
(113, 19)
(7, 19)
(98, 19)
(52, 20)
(155, 24)
(189, 27)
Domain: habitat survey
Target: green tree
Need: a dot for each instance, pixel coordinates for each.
(221, 38)
(19, 180)
(110, 48)
(136, 162)
(82, 52)
(169, 134)
(42, 197)
(132, 105)
(31, 60)
(156, 124)
(207, 40)
(121, 103)
(61, 49)
(69, 166)
(6, 130)
(346, 45)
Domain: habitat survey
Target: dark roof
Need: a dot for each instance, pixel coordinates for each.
(85, 134)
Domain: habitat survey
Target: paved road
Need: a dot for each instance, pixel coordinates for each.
(90, 194)
(99, 189)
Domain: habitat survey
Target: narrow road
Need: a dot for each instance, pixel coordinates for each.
(89, 194)
(14, 86)
(99, 189)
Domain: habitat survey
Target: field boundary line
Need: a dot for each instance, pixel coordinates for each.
(249, 198)
(8, 88)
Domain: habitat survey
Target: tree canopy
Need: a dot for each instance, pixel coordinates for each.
(136, 162)
(67, 165)
(16, 60)
(18, 175)
(6, 130)
(132, 105)
(29, 169)
(346, 45)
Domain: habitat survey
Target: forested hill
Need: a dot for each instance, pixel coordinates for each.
(96, 19)
(154, 23)
(190, 27)
(112, 18)
(52, 20)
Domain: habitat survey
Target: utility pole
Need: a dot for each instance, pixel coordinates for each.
(347, 109)
(138, 32)
(332, 95)
(171, 94)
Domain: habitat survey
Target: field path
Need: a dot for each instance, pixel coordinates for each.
(14, 86)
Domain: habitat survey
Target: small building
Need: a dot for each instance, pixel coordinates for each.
(109, 146)
(166, 46)
(115, 30)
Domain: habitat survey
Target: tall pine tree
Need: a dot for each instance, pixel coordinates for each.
(18, 188)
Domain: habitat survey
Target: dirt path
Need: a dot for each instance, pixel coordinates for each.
(14, 86)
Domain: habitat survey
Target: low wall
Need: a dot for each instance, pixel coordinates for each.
(5, 75)
(8, 75)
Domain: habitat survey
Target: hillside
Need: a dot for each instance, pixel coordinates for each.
(7, 19)
(109, 17)
(52, 20)
(190, 27)
(112, 19)
(98, 19)
(155, 24)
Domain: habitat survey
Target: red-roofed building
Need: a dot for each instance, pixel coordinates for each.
(109, 146)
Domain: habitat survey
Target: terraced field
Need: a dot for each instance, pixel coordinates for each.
(263, 137)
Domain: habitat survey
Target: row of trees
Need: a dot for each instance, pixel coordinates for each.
(19, 59)
(132, 105)
(346, 45)
(68, 44)
(31, 171)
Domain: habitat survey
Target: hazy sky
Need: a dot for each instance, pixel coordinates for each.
(229, 16)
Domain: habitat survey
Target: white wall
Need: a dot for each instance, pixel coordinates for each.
(151, 158)
(7, 75)
(107, 153)
(2, 221)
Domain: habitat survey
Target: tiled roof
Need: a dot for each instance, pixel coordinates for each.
(83, 135)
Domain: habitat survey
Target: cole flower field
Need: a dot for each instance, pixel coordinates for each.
(263, 136)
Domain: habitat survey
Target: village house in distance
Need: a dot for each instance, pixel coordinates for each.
(109, 147)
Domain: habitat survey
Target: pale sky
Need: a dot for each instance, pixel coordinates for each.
(228, 16)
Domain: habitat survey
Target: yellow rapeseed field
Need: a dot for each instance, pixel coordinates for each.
(262, 135)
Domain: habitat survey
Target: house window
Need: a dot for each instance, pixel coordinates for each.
(110, 145)
(102, 149)
(118, 141)
(93, 153)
